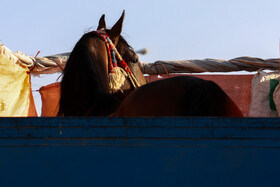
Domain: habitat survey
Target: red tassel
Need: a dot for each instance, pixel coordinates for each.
(122, 64)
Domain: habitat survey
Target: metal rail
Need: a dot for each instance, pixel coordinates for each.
(139, 151)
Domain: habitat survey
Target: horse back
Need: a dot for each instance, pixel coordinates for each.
(179, 96)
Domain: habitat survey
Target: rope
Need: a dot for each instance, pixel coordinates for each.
(211, 65)
(131, 76)
(49, 64)
(155, 65)
(34, 61)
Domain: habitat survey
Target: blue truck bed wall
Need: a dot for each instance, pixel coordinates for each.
(139, 152)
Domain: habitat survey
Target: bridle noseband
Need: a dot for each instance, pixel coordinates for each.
(118, 68)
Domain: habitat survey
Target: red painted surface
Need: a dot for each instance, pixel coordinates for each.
(238, 87)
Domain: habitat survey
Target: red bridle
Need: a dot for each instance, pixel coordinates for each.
(115, 59)
(118, 68)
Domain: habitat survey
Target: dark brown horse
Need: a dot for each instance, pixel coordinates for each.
(85, 84)
(85, 90)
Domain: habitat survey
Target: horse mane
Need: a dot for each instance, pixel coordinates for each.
(82, 91)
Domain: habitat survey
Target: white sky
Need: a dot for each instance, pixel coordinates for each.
(171, 30)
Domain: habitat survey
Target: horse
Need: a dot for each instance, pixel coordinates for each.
(85, 87)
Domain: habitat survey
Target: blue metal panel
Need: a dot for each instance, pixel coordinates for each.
(139, 151)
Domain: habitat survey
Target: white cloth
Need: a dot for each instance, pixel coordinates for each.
(260, 95)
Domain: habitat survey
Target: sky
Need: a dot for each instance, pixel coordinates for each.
(171, 30)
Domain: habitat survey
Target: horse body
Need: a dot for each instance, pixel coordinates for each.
(178, 96)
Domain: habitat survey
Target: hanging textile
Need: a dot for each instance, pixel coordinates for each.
(16, 99)
(50, 96)
(260, 106)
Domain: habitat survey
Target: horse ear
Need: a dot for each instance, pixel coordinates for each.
(117, 29)
(102, 23)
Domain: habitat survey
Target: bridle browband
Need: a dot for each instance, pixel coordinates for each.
(118, 68)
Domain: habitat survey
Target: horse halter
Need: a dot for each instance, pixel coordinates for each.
(118, 68)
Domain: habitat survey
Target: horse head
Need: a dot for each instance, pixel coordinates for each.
(85, 86)
(127, 53)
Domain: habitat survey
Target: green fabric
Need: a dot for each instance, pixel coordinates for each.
(273, 84)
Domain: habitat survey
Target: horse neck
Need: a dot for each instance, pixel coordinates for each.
(137, 71)
(84, 87)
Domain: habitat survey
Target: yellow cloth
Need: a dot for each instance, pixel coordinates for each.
(15, 89)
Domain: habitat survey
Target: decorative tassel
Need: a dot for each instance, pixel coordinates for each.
(116, 79)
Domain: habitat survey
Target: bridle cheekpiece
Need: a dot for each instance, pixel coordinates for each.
(117, 67)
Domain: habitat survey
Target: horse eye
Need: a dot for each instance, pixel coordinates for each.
(135, 60)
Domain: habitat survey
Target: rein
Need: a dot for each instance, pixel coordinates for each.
(118, 68)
